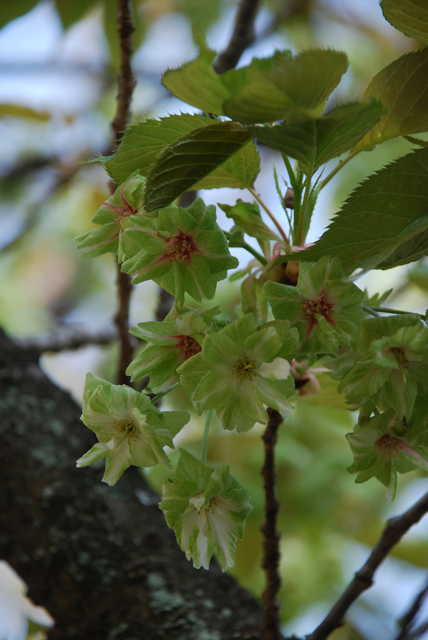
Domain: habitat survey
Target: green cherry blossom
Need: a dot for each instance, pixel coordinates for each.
(242, 368)
(389, 359)
(207, 509)
(130, 430)
(324, 307)
(184, 250)
(126, 201)
(169, 344)
(385, 445)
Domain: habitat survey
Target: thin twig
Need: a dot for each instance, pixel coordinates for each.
(242, 36)
(408, 620)
(126, 83)
(363, 579)
(418, 632)
(271, 607)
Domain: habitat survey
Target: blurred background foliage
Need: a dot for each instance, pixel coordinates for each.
(58, 68)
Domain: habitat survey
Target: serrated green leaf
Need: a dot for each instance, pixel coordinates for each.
(375, 214)
(401, 87)
(143, 143)
(408, 16)
(238, 172)
(412, 244)
(265, 90)
(267, 93)
(194, 156)
(315, 141)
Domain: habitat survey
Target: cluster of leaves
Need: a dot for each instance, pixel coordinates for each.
(265, 357)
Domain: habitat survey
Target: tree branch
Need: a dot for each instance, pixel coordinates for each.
(408, 620)
(271, 608)
(126, 83)
(363, 580)
(242, 36)
(101, 559)
(67, 337)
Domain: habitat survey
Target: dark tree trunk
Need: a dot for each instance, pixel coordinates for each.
(104, 564)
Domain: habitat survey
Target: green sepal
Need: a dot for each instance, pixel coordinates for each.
(247, 216)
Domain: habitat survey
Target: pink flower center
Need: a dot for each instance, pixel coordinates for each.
(181, 247)
(388, 444)
(318, 306)
(188, 347)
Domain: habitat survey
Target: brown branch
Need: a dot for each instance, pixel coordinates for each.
(408, 620)
(126, 83)
(271, 607)
(242, 36)
(363, 579)
(67, 337)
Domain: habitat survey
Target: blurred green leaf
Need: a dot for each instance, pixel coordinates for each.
(265, 90)
(185, 162)
(419, 276)
(401, 87)
(71, 12)
(408, 16)
(315, 141)
(375, 214)
(239, 172)
(19, 111)
(11, 10)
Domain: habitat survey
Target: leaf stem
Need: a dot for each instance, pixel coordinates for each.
(255, 253)
(300, 231)
(340, 166)
(164, 393)
(270, 214)
(370, 310)
(396, 311)
(205, 437)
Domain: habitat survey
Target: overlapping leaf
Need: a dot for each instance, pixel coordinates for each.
(408, 16)
(391, 202)
(265, 90)
(314, 141)
(187, 161)
(238, 172)
(402, 87)
(144, 142)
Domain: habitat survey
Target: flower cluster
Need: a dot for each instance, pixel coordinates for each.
(130, 429)
(182, 250)
(325, 307)
(207, 509)
(383, 369)
(240, 369)
(126, 201)
(169, 344)
(385, 445)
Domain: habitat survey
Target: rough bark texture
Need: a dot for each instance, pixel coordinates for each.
(103, 563)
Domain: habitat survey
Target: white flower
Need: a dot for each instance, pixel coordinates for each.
(15, 608)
